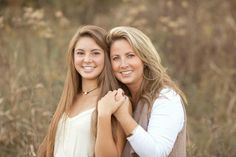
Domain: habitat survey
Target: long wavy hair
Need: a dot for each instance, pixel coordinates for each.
(73, 86)
(155, 76)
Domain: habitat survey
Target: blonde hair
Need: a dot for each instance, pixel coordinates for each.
(73, 86)
(155, 76)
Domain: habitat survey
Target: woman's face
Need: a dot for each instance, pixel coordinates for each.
(88, 58)
(127, 66)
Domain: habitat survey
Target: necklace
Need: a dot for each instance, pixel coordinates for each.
(87, 92)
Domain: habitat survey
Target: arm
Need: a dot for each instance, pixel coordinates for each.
(166, 121)
(124, 115)
(105, 145)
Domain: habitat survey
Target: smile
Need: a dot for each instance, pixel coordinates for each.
(88, 68)
(125, 73)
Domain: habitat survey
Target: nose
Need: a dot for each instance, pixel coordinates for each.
(123, 63)
(87, 58)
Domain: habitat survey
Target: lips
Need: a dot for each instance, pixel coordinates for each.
(88, 68)
(126, 73)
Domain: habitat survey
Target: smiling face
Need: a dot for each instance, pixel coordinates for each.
(88, 58)
(127, 66)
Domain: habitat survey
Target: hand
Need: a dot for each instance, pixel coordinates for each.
(108, 104)
(125, 108)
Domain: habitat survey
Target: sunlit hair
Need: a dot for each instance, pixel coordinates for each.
(73, 86)
(155, 76)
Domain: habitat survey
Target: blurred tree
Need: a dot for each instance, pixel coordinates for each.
(83, 11)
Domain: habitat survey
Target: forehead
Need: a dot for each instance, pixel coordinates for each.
(121, 46)
(86, 42)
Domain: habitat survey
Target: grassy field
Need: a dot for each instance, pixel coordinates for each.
(196, 40)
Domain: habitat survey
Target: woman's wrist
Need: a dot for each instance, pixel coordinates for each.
(133, 131)
(104, 114)
(102, 111)
(104, 118)
(128, 123)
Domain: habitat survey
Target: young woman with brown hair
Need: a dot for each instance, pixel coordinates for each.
(80, 127)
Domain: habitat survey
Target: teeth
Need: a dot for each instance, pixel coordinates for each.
(88, 68)
(126, 72)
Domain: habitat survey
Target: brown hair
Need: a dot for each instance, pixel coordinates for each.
(72, 86)
(155, 76)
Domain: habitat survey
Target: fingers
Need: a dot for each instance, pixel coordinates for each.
(120, 94)
(117, 95)
(120, 101)
(111, 93)
(120, 91)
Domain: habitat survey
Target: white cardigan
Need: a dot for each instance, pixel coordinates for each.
(166, 121)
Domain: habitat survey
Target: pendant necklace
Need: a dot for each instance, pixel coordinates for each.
(87, 92)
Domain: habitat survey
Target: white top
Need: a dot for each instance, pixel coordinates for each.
(166, 121)
(73, 137)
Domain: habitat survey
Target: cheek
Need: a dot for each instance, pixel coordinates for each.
(102, 64)
(114, 66)
(139, 65)
(77, 59)
(100, 60)
(76, 62)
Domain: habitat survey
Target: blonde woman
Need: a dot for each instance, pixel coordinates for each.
(80, 127)
(158, 125)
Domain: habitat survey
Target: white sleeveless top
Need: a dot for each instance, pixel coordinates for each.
(73, 136)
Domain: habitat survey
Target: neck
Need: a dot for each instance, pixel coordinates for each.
(134, 89)
(88, 85)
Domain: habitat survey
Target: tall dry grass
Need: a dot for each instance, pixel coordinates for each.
(196, 40)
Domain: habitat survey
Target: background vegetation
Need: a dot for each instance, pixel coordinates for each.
(196, 39)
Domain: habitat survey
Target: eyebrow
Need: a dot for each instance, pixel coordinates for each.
(130, 52)
(117, 54)
(96, 50)
(91, 50)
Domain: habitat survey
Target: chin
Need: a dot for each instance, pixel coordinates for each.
(89, 77)
(125, 81)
